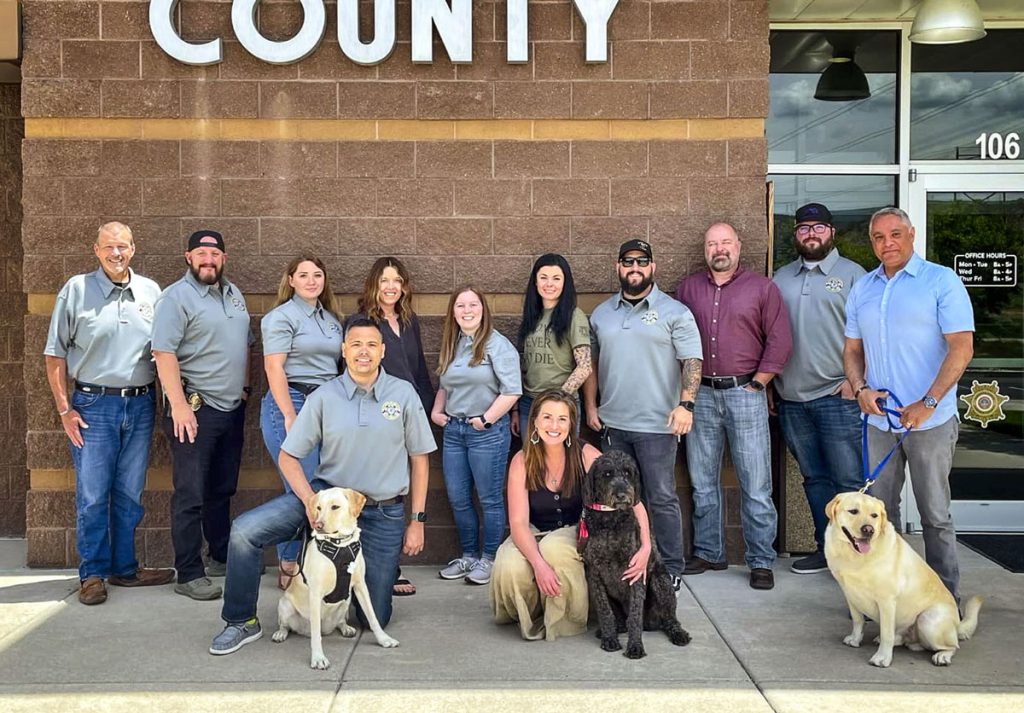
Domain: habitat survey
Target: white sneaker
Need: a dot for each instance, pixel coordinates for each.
(481, 571)
(457, 568)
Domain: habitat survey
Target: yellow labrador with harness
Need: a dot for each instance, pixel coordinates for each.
(332, 568)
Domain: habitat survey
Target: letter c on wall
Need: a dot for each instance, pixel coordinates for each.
(314, 20)
(161, 23)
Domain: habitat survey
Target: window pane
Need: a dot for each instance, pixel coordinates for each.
(851, 199)
(958, 92)
(802, 129)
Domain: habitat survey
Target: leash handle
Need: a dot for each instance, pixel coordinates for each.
(871, 474)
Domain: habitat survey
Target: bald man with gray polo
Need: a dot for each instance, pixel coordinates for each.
(201, 340)
(100, 337)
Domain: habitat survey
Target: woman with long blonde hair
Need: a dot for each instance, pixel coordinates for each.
(479, 382)
(302, 338)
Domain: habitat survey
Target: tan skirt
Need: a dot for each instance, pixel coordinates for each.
(515, 597)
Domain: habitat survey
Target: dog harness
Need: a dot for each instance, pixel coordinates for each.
(341, 556)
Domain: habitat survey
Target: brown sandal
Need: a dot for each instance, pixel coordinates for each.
(285, 575)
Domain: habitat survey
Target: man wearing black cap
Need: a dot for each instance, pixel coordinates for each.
(201, 340)
(818, 413)
(647, 363)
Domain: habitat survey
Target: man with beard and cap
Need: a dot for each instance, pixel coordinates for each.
(201, 340)
(647, 364)
(819, 416)
(99, 336)
(745, 337)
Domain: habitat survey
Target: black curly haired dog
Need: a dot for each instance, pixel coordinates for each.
(610, 489)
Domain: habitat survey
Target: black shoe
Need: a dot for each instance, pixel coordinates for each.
(699, 565)
(762, 578)
(810, 564)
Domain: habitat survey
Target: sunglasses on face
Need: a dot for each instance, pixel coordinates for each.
(817, 229)
(630, 261)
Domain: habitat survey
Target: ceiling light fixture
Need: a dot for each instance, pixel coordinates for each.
(946, 22)
(842, 81)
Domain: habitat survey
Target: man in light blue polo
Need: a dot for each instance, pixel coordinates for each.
(910, 330)
(647, 364)
(820, 418)
(100, 337)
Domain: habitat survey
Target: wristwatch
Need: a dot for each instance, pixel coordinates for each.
(483, 419)
(418, 517)
(756, 385)
(929, 402)
(688, 405)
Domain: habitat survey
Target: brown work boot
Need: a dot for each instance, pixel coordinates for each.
(92, 591)
(699, 565)
(762, 578)
(144, 577)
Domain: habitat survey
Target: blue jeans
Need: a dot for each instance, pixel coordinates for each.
(742, 415)
(472, 457)
(824, 436)
(279, 520)
(655, 454)
(525, 430)
(272, 425)
(110, 475)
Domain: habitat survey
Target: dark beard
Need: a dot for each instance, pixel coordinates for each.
(632, 291)
(814, 254)
(218, 271)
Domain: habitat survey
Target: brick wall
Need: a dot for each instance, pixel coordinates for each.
(466, 172)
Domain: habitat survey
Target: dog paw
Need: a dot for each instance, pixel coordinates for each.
(347, 631)
(942, 658)
(387, 642)
(610, 645)
(853, 641)
(680, 637)
(319, 661)
(634, 651)
(279, 636)
(881, 660)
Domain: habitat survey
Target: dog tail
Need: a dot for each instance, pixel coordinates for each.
(970, 621)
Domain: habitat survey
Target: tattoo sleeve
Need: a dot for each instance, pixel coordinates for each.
(581, 372)
(691, 377)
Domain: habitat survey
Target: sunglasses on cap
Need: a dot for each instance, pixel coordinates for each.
(630, 261)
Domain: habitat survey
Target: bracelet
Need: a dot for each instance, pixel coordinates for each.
(65, 412)
(857, 392)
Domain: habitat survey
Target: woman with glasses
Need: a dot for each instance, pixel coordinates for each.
(539, 580)
(554, 337)
(387, 301)
(479, 382)
(301, 346)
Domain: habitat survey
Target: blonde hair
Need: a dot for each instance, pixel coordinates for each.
(115, 228)
(285, 291)
(369, 301)
(450, 335)
(572, 476)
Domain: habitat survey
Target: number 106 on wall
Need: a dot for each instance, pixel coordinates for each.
(996, 146)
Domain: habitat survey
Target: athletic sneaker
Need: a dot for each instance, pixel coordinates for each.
(235, 636)
(810, 564)
(677, 584)
(202, 589)
(480, 572)
(457, 568)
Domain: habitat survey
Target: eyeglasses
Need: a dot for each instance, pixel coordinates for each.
(818, 228)
(630, 261)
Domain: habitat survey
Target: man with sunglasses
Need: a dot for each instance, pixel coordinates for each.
(744, 331)
(819, 416)
(647, 365)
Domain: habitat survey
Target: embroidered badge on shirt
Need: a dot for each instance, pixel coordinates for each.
(390, 410)
(238, 303)
(332, 327)
(146, 310)
(650, 317)
(834, 284)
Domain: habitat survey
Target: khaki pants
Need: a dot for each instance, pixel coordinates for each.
(515, 597)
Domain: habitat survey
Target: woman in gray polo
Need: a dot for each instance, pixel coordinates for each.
(479, 382)
(301, 347)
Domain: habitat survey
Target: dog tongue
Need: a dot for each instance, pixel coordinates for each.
(863, 546)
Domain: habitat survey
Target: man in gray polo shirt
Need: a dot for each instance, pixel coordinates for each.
(99, 336)
(647, 364)
(201, 339)
(375, 438)
(819, 416)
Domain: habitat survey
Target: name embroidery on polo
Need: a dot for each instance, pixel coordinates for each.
(834, 284)
(390, 410)
(146, 311)
(650, 317)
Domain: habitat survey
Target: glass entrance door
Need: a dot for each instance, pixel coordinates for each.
(974, 224)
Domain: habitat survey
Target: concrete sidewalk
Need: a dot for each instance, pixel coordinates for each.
(752, 651)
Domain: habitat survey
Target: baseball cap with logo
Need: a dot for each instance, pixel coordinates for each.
(206, 239)
(813, 211)
(636, 244)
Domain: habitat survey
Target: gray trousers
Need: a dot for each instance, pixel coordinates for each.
(930, 456)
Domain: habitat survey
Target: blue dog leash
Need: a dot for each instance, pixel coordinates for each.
(870, 475)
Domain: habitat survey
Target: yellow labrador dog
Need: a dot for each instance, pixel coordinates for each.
(885, 579)
(332, 569)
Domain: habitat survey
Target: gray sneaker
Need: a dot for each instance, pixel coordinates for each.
(234, 637)
(457, 568)
(202, 589)
(480, 573)
(216, 569)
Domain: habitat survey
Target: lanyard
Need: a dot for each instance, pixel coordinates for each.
(871, 474)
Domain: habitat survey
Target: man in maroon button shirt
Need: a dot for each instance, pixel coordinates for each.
(744, 331)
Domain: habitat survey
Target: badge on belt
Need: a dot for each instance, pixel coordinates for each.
(195, 401)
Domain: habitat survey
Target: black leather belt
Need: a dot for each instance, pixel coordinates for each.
(726, 382)
(113, 390)
(305, 389)
(397, 500)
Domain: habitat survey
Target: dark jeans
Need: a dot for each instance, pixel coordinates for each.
(381, 531)
(205, 476)
(655, 453)
(824, 437)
